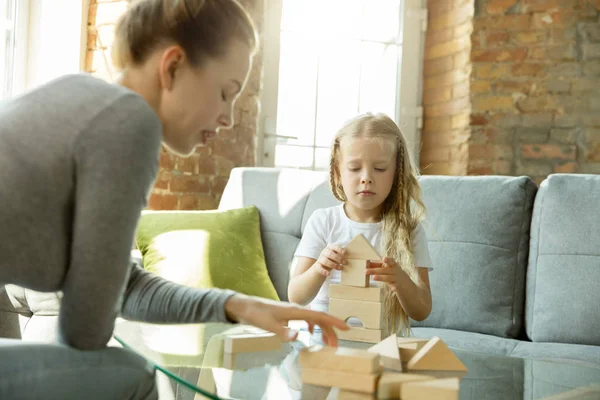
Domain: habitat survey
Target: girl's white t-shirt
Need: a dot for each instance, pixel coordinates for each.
(332, 226)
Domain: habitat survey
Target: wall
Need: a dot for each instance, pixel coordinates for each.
(534, 92)
(196, 182)
(535, 88)
(446, 102)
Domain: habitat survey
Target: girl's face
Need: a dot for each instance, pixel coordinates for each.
(367, 170)
(196, 102)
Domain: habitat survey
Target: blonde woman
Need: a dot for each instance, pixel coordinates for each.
(78, 157)
(371, 174)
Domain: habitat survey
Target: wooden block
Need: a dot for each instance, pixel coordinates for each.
(373, 293)
(408, 347)
(435, 356)
(438, 389)
(388, 350)
(354, 273)
(361, 249)
(350, 395)
(357, 334)
(339, 359)
(370, 313)
(358, 382)
(249, 342)
(391, 382)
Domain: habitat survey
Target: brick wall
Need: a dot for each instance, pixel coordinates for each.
(196, 182)
(446, 100)
(534, 92)
(535, 87)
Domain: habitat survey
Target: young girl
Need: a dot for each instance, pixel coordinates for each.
(371, 174)
(78, 157)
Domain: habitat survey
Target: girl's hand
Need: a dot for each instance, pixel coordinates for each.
(274, 317)
(387, 271)
(332, 257)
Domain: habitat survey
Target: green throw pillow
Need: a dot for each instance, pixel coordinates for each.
(206, 249)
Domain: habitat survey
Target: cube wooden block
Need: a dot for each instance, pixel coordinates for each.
(340, 359)
(370, 313)
(438, 389)
(354, 273)
(358, 334)
(390, 383)
(248, 343)
(373, 293)
(358, 382)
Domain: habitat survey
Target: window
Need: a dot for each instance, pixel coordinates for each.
(326, 61)
(8, 18)
(39, 41)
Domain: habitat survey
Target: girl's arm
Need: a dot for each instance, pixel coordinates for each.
(415, 300)
(305, 282)
(310, 274)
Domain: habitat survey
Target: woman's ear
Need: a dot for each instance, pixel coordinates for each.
(171, 61)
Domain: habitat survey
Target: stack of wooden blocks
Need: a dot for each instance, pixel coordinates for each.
(394, 368)
(355, 298)
(431, 371)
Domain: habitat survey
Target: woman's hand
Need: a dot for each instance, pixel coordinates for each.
(274, 316)
(387, 271)
(332, 257)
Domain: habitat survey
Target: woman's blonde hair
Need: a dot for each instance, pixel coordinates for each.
(203, 28)
(402, 209)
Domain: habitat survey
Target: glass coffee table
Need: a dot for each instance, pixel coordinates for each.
(192, 364)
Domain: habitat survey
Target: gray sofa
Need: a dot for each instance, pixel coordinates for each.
(516, 266)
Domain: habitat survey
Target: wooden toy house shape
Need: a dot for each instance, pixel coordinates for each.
(354, 297)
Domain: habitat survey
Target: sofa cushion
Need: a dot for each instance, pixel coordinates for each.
(279, 251)
(469, 341)
(563, 300)
(281, 196)
(584, 354)
(478, 234)
(206, 249)
(320, 197)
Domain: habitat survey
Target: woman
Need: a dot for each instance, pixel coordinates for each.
(78, 157)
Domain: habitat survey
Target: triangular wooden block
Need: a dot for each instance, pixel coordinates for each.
(388, 350)
(410, 346)
(360, 248)
(435, 356)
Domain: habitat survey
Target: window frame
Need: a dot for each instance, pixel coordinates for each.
(409, 110)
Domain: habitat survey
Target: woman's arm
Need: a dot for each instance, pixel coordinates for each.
(150, 298)
(115, 161)
(153, 299)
